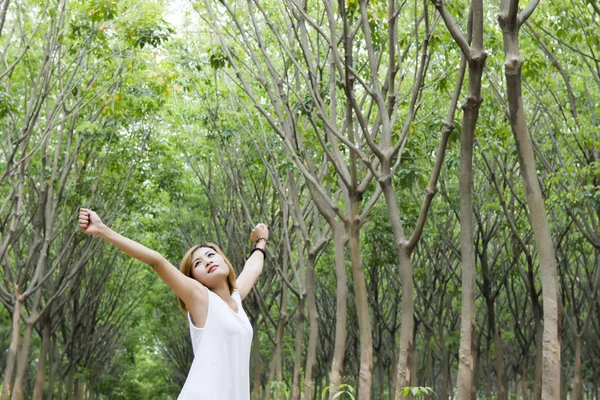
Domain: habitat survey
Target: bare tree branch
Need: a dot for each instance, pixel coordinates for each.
(527, 11)
(454, 29)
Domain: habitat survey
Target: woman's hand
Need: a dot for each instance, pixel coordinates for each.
(90, 222)
(259, 232)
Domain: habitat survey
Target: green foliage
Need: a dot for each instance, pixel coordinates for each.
(217, 58)
(417, 392)
(279, 390)
(344, 391)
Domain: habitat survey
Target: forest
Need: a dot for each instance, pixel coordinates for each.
(428, 170)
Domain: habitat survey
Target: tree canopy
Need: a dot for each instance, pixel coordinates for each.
(428, 171)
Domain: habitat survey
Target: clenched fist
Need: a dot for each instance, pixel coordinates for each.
(89, 222)
(260, 231)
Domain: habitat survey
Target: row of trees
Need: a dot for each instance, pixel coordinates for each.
(302, 115)
(343, 75)
(75, 111)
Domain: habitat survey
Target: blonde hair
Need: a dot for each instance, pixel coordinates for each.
(186, 267)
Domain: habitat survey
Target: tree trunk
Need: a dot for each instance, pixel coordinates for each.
(510, 24)
(414, 360)
(407, 321)
(500, 378)
(467, 327)
(578, 378)
(14, 346)
(429, 366)
(492, 328)
(537, 322)
(445, 364)
(69, 386)
(476, 365)
(61, 384)
(22, 363)
(54, 364)
(596, 382)
(80, 389)
(394, 375)
(405, 270)
(471, 46)
(380, 379)
(275, 372)
(41, 373)
(362, 304)
(313, 323)
(524, 378)
(298, 349)
(256, 368)
(337, 363)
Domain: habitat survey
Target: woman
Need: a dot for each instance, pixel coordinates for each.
(212, 296)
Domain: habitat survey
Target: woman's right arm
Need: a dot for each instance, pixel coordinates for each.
(189, 290)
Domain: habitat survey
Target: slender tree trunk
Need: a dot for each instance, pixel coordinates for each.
(61, 384)
(3, 14)
(313, 323)
(524, 378)
(405, 269)
(275, 372)
(429, 366)
(80, 389)
(394, 376)
(14, 345)
(362, 304)
(339, 241)
(41, 373)
(596, 386)
(595, 382)
(414, 360)
(537, 323)
(298, 349)
(578, 378)
(22, 363)
(510, 23)
(550, 338)
(69, 387)
(492, 328)
(445, 364)
(478, 371)
(407, 321)
(498, 346)
(380, 379)
(488, 386)
(54, 364)
(256, 368)
(471, 45)
(468, 311)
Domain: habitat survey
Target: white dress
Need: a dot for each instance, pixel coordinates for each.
(220, 370)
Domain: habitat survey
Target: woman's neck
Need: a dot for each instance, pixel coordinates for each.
(222, 291)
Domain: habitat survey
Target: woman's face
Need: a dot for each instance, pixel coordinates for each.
(208, 267)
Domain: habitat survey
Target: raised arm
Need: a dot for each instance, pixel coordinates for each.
(188, 289)
(254, 265)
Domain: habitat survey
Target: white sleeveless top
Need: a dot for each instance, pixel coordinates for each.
(220, 370)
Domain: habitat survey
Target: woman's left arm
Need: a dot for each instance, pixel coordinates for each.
(254, 265)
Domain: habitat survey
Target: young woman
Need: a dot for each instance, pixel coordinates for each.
(212, 297)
